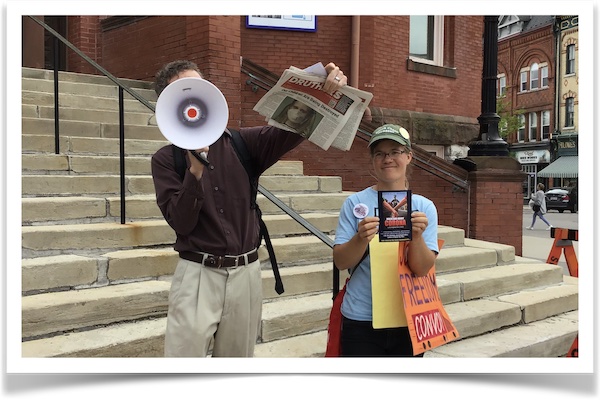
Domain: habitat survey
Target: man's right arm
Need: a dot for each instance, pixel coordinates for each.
(179, 202)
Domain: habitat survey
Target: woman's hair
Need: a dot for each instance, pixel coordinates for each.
(170, 71)
(304, 128)
(540, 186)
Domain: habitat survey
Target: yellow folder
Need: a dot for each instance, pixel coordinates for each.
(388, 308)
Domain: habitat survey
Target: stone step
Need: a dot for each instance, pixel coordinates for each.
(102, 184)
(551, 337)
(45, 126)
(502, 279)
(84, 101)
(49, 313)
(73, 87)
(296, 327)
(75, 208)
(75, 164)
(89, 115)
(113, 235)
(306, 259)
(63, 76)
(109, 164)
(89, 145)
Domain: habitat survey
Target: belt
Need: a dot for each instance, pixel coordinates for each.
(209, 260)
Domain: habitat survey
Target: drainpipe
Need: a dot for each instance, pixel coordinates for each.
(355, 55)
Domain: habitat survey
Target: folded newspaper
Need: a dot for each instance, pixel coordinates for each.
(296, 103)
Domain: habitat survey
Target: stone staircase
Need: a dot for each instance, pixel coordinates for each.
(93, 287)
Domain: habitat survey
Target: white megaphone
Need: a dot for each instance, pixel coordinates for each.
(191, 113)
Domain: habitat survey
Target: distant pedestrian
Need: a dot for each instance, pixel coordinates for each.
(538, 205)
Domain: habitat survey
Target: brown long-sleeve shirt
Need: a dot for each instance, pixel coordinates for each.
(213, 214)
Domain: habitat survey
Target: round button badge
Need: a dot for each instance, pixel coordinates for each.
(361, 210)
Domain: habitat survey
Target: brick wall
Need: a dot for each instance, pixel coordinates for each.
(83, 32)
(138, 47)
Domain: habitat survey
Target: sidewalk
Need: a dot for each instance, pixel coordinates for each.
(539, 249)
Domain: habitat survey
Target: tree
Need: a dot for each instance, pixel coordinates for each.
(509, 122)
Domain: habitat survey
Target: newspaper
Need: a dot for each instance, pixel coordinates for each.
(296, 103)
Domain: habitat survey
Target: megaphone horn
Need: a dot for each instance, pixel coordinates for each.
(191, 113)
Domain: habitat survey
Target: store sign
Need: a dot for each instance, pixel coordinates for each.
(533, 156)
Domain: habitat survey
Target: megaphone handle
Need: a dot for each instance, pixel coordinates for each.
(200, 157)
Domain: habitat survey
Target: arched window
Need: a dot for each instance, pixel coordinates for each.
(534, 78)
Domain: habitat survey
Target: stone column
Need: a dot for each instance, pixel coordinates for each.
(496, 201)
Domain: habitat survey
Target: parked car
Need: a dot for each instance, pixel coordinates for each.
(562, 199)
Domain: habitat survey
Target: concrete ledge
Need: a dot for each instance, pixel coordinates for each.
(134, 339)
(505, 279)
(38, 209)
(309, 345)
(505, 253)
(295, 316)
(546, 302)
(477, 317)
(548, 338)
(58, 271)
(64, 311)
(461, 258)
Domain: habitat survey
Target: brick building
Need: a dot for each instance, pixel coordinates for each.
(432, 87)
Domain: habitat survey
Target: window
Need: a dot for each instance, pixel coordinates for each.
(532, 127)
(570, 59)
(534, 77)
(523, 81)
(545, 125)
(544, 75)
(570, 112)
(427, 38)
(521, 132)
(501, 85)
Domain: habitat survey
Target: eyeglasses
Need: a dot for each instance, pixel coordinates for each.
(394, 154)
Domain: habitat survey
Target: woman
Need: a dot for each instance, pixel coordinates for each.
(538, 205)
(297, 116)
(391, 155)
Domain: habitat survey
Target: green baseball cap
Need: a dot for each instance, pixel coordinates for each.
(392, 132)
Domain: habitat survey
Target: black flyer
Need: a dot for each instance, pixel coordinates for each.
(394, 215)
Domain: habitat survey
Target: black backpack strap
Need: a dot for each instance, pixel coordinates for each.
(246, 159)
(179, 160)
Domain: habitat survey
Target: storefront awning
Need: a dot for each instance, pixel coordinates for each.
(562, 167)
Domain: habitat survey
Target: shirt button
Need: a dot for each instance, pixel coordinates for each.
(221, 211)
(211, 167)
(216, 188)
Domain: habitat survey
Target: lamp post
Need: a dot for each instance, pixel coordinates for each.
(489, 142)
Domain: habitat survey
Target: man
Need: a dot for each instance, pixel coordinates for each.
(216, 290)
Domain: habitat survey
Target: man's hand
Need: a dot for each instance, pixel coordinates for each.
(196, 167)
(335, 78)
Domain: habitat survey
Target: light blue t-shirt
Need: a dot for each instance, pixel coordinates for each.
(357, 303)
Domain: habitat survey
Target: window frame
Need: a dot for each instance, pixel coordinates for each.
(570, 112)
(437, 42)
(534, 76)
(532, 126)
(545, 125)
(570, 60)
(521, 130)
(501, 86)
(544, 80)
(524, 78)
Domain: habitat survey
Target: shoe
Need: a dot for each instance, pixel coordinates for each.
(550, 227)
(530, 228)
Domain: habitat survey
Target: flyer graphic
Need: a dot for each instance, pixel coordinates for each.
(394, 215)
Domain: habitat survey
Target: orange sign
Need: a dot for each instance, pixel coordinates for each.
(428, 323)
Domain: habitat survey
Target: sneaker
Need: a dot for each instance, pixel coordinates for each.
(530, 228)
(549, 227)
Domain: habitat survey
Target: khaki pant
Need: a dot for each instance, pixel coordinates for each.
(207, 303)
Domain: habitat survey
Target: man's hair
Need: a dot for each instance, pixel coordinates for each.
(171, 70)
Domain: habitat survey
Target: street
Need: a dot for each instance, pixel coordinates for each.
(537, 243)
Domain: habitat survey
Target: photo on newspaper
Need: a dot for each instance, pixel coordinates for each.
(336, 115)
(296, 116)
(394, 215)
